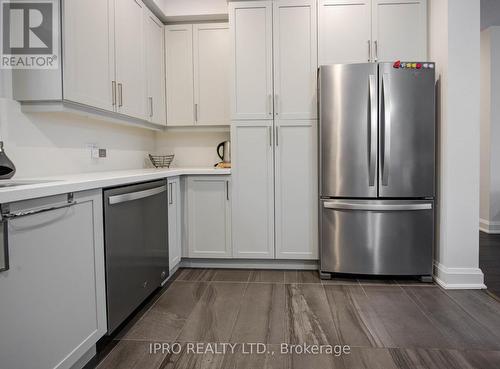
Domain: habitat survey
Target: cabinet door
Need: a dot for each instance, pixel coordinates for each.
(400, 30)
(174, 222)
(130, 58)
(53, 296)
(89, 55)
(208, 217)
(155, 69)
(179, 71)
(251, 59)
(344, 31)
(211, 73)
(295, 59)
(253, 190)
(296, 189)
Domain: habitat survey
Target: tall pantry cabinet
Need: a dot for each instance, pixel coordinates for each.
(274, 129)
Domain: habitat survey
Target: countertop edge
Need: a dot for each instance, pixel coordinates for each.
(83, 182)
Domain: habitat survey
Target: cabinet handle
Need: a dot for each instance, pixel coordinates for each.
(369, 50)
(5, 243)
(277, 135)
(276, 106)
(270, 137)
(227, 190)
(113, 92)
(270, 104)
(120, 95)
(170, 193)
(196, 113)
(376, 50)
(151, 106)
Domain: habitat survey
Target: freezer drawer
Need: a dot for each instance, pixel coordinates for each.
(378, 237)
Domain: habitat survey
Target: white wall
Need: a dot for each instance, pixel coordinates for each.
(484, 210)
(454, 44)
(490, 131)
(191, 147)
(48, 145)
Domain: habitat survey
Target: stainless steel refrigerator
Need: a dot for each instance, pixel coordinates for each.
(377, 168)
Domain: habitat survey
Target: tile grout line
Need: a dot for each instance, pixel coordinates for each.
(192, 311)
(469, 314)
(238, 313)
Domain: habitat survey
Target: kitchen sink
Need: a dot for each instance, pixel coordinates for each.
(20, 182)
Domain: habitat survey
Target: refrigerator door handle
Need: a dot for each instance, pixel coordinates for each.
(346, 205)
(373, 130)
(386, 157)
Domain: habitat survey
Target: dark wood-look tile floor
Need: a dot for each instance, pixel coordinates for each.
(489, 261)
(387, 324)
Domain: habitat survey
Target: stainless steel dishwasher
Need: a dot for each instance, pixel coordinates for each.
(136, 241)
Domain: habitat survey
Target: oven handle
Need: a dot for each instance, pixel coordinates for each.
(136, 195)
(345, 205)
(8, 216)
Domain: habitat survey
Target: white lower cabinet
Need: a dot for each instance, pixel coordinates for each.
(174, 222)
(52, 305)
(275, 194)
(296, 189)
(253, 192)
(208, 217)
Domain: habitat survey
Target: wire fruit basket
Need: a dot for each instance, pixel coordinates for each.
(161, 161)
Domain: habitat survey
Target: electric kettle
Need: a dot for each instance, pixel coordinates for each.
(226, 151)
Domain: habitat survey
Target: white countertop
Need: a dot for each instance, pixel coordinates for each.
(87, 181)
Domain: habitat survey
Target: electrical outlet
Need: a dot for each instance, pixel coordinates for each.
(102, 153)
(94, 150)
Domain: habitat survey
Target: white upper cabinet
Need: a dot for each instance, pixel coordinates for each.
(130, 58)
(155, 69)
(251, 54)
(211, 73)
(89, 66)
(253, 191)
(344, 31)
(179, 70)
(295, 59)
(358, 31)
(197, 74)
(400, 30)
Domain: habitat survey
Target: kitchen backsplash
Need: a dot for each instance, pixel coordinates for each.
(52, 144)
(192, 148)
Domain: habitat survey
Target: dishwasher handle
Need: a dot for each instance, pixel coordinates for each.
(117, 199)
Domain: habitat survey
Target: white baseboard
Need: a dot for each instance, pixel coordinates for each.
(458, 278)
(250, 264)
(489, 227)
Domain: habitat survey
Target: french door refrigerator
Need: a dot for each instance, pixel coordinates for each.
(377, 168)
